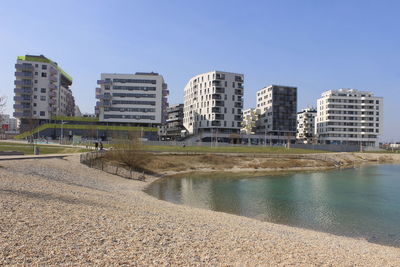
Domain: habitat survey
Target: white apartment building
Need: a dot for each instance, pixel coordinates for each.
(277, 109)
(306, 125)
(138, 99)
(349, 117)
(42, 89)
(213, 103)
(250, 118)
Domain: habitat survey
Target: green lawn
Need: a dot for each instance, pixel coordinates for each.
(27, 149)
(242, 149)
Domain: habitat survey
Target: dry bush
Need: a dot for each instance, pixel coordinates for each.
(129, 153)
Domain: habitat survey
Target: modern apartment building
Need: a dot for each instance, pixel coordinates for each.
(213, 103)
(349, 117)
(138, 99)
(306, 125)
(250, 118)
(277, 109)
(174, 123)
(42, 89)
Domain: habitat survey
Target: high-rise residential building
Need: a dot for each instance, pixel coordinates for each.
(349, 117)
(250, 118)
(138, 99)
(174, 123)
(306, 125)
(42, 89)
(213, 103)
(277, 109)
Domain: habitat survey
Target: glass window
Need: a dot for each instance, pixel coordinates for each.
(44, 67)
(44, 74)
(43, 90)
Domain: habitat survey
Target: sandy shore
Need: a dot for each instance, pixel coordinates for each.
(59, 212)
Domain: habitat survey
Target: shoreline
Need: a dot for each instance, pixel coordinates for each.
(64, 212)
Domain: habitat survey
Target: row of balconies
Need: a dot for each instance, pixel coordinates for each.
(24, 114)
(24, 74)
(104, 82)
(22, 99)
(21, 107)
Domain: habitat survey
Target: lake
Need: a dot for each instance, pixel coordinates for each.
(362, 202)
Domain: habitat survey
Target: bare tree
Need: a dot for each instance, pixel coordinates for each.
(2, 107)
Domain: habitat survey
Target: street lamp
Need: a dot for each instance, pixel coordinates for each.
(62, 131)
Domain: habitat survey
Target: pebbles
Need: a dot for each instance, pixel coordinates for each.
(59, 212)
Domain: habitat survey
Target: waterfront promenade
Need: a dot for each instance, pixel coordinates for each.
(58, 211)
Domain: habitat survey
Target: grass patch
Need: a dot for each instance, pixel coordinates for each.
(27, 149)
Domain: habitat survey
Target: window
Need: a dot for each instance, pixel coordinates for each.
(35, 89)
(35, 81)
(36, 73)
(34, 104)
(44, 74)
(43, 90)
(35, 97)
(43, 98)
(44, 67)
(42, 113)
(34, 112)
(36, 65)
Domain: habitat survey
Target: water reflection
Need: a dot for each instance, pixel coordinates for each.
(361, 202)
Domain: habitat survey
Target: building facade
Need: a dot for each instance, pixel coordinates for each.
(137, 99)
(42, 89)
(250, 118)
(213, 103)
(277, 110)
(349, 117)
(306, 126)
(174, 123)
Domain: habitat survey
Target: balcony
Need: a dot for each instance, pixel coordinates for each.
(52, 86)
(165, 92)
(23, 75)
(219, 103)
(53, 78)
(24, 67)
(53, 71)
(23, 83)
(216, 110)
(22, 91)
(238, 92)
(220, 76)
(238, 118)
(19, 106)
(25, 114)
(103, 104)
(52, 101)
(98, 91)
(238, 79)
(216, 96)
(22, 99)
(238, 105)
(219, 90)
(215, 123)
(52, 94)
(216, 83)
(104, 97)
(104, 82)
(219, 116)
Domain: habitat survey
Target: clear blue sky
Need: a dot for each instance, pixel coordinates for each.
(314, 45)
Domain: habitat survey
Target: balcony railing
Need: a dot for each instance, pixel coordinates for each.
(52, 86)
(52, 94)
(108, 82)
(238, 118)
(219, 103)
(22, 91)
(238, 105)
(238, 92)
(215, 123)
(23, 83)
(25, 114)
(219, 116)
(22, 99)
(53, 78)
(24, 66)
(219, 90)
(216, 96)
(216, 110)
(24, 75)
(216, 83)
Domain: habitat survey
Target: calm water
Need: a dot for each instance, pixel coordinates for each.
(361, 202)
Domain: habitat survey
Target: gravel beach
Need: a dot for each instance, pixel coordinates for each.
(60, 212)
